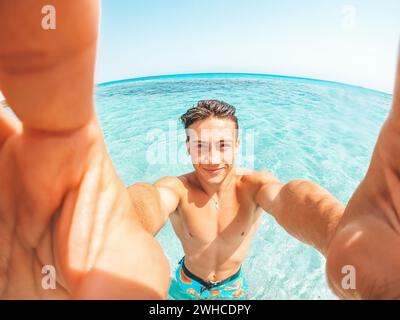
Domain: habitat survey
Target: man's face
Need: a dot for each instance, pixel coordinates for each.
(212, 146)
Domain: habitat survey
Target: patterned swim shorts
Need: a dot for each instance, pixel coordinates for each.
(232, 288)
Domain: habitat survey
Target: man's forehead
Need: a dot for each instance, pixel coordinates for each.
(207, 134)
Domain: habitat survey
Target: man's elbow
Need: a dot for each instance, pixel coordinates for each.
(301, 187)
(142, 193)
(146, 205)
(294, 193)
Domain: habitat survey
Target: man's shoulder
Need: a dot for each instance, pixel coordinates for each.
(177, 183)
(169, 182)
(256, 177)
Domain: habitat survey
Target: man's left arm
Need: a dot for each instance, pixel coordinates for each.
(303, 208)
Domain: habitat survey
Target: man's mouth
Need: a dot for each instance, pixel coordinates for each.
(213, 170)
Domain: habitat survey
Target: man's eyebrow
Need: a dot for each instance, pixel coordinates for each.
(220, 140)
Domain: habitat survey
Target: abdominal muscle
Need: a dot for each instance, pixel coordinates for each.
(214, 256)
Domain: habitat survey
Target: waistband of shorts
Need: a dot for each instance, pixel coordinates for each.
(208, 284)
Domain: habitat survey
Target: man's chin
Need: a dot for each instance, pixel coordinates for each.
(213, 179)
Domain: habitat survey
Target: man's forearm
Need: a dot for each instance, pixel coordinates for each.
(147, 206)
(308, 212)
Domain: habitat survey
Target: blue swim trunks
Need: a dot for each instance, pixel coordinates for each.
(232, 288)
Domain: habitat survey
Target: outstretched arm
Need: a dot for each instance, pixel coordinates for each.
(368, 237)
(57, 165)
(304, 209)
(154, 203)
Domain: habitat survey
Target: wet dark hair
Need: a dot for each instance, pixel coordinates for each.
(209, 108)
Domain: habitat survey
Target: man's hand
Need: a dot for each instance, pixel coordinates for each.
(368, 237)
(61, 202)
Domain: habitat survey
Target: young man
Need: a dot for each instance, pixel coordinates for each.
(215, 210)
(63, 206)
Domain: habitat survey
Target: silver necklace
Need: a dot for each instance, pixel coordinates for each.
(216, 203)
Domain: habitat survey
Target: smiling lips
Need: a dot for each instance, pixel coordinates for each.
(213, 171)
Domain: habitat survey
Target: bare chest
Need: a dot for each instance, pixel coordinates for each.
(231, 220)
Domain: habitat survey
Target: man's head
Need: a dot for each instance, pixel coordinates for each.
(212, 128)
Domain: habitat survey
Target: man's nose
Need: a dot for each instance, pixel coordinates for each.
(213, 156)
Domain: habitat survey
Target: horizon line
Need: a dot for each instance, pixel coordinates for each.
(244, 74)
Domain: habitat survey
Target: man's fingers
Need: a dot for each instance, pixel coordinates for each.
(47, 57)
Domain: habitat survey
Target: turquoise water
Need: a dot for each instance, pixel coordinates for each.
(293, 127)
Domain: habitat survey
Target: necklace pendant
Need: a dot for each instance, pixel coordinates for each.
(217, 205)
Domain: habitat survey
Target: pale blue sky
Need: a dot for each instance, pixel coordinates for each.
(354, 42)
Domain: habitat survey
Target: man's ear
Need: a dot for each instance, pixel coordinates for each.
(237, 143)
(187, 145)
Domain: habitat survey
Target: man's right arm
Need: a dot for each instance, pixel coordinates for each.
(155, 202)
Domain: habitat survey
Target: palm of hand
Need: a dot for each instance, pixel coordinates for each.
(62, 204)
